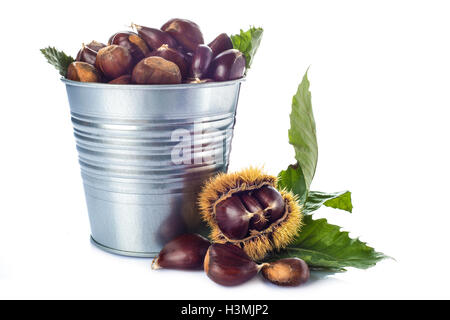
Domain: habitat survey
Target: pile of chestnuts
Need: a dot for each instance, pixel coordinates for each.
(226, 263)
(175, 53)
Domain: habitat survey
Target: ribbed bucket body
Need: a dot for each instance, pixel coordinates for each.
(145, 152)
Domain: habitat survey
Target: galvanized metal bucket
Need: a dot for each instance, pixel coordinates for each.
(145, 152)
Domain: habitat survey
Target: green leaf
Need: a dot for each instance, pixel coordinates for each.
(292, 180)
(302, 134)
(337, 200)
(58, 59)
(248, 43)
(324, 246)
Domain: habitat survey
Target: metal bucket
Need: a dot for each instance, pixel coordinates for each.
(145, 152)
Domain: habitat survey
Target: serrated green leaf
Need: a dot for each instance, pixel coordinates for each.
(324, 246)
(338, 200)
(248, 43)
(292, 180)
(58, 59)
(302, 134)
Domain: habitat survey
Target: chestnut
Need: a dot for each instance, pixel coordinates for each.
(229, 65)
(172, 55)
(88, 52)
(287, 272)
(220, 44)
(130, 40)
(114, 61)
(155, 38)
(125, 79)
(229, 265)
(197, 80)
(257, 209)
(186, 252)
(156, 70)
(83, 72)
(200, 61)
(185, 32)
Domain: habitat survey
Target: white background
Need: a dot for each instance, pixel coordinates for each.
(380, 73)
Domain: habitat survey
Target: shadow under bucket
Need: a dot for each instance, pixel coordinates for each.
(145, 151)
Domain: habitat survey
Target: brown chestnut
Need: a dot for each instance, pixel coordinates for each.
(228, 65)
(220, 44)
(155, 38)
(88, 52)
(125, 79)
(243, 212)
(114, 61)
(287, 272)
(130, 40)
(156, 70)
(200, 61)
(185, 32)
(186, 252)
(229, 265)
(172, 55)
(83, 72)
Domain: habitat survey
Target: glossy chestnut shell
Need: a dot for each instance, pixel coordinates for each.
(125, 79)
(114, 61)
(220, 44)
(172, 55)
(229, 65)
(245, 211)
(155, 38)
(88, 52)
(185, 32)
(229, 265)
(201, 61)
(186, 252)
(287, 272)
(83, 72)
(134, 43)
(156, 70)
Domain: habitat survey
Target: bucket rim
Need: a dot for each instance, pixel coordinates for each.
(152, 86)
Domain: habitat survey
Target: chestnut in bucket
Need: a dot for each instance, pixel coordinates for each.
(229, 65)
(125, 79)
(220, 44)
(186, 32)
(130, 40)
(88, 52)
(156, 70)
(172, 55)
(114, 61)
(83, 72)
(155, 38)
(200, 61)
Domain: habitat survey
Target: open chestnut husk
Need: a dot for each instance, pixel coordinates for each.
(220, 44)
(246, 208)
(156, 70)
(125, 79)
(155, 38)
(88, 52)
(83, 72)
(134, 43)
(114, 61)
(287, 272)
(229, 265)
(172, 55)
(185, 32)
(201, 61)
(229, 65)
(186, 252)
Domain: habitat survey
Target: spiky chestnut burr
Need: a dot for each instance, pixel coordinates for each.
(246, 209)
